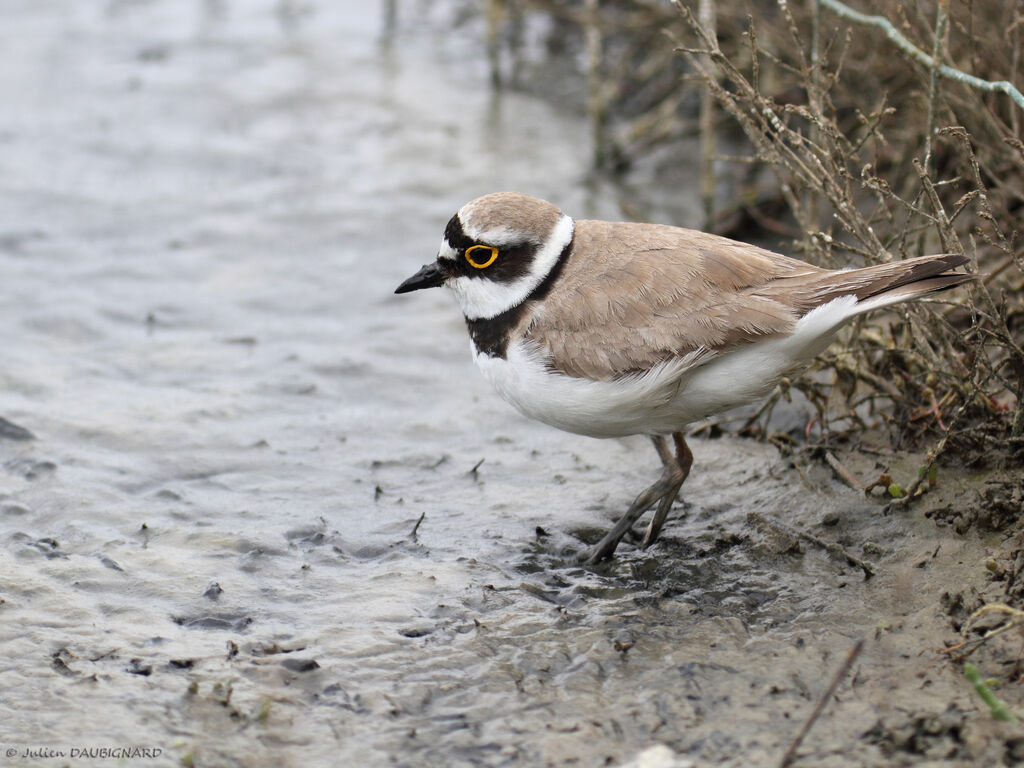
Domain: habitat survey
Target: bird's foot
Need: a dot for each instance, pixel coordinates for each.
(663, 493)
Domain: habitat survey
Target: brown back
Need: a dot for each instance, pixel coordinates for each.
(634, 295)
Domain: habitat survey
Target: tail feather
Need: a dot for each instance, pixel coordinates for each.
(884, 278)
(911, 291)
(876, 286)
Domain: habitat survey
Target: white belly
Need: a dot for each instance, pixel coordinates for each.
(627, 406)
(668, 397)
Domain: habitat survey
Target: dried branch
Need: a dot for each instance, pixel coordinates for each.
(916, 53)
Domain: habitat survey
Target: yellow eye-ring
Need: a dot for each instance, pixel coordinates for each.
(488, 252)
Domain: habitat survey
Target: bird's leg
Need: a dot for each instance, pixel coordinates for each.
(672, 476)
(683, 461)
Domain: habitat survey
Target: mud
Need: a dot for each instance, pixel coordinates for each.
(256, 510)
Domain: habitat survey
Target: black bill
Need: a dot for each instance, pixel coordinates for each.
(430, 276)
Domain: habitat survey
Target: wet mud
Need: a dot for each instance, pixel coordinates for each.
(256, 510)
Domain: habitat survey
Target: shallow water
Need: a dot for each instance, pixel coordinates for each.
(271, 514)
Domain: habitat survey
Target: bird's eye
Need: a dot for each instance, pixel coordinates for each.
(481, 256)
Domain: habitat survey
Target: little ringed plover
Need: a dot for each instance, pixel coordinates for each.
(610, 329)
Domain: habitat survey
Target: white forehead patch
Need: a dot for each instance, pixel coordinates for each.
(446, 251)
(482, 298)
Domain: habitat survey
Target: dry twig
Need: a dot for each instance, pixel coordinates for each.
(823, 701)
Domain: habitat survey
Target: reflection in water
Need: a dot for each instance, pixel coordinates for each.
(390, 20)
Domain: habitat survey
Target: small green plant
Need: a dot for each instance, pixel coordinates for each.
(998, 709)
(222, 691)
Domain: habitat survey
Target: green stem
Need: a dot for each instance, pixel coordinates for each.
(998, 708)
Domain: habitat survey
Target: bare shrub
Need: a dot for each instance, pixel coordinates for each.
(850, 148)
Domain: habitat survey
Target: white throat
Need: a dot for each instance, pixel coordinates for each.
(481, 298)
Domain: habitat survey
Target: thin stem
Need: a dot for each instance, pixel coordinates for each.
(908, 47)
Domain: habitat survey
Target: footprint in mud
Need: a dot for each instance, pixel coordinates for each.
(719, 572)
(938, 736)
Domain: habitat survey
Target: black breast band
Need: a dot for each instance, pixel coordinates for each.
(491, 334)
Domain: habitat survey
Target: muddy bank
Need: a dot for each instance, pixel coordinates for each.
(252, 526)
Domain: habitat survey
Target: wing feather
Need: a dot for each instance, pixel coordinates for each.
(632, 296)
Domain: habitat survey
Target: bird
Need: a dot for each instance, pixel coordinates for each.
(609, 329)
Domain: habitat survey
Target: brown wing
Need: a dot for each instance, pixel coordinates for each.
(634, 295)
